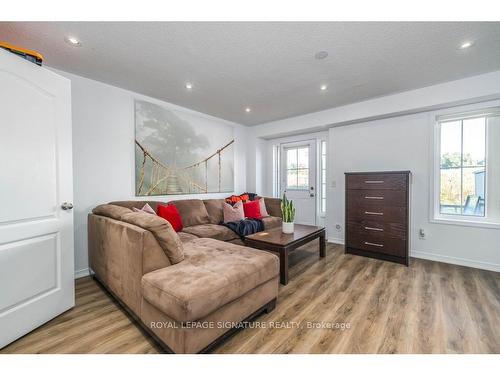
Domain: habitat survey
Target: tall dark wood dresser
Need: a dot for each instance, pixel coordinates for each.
(377, 214)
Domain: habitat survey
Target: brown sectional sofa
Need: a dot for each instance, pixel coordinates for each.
(188, 290)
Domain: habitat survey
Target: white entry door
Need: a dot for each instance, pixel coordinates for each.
(298, 179)
(36, 233)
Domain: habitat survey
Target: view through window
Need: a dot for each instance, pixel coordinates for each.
(297, 168)
(463, 167)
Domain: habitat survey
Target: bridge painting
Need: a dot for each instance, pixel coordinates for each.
(178, 153)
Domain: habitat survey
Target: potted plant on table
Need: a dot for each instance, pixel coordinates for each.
(288, 213)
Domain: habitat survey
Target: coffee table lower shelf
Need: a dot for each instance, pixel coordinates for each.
(276, 241)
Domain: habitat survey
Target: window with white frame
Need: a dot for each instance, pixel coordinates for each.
(323, 178)
(464, 175)
(297, 168)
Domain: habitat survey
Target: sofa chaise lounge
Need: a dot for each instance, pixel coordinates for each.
(189, 290)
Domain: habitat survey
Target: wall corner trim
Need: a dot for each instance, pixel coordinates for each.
(82, 273)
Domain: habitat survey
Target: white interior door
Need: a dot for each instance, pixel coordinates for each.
(298, 178)
(36, 234)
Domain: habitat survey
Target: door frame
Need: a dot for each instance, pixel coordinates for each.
(273, 185)
(313, 169)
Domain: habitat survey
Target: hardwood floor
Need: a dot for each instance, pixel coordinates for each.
(428, 307)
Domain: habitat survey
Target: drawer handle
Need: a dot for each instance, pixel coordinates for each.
(374, 197)
(373, 244)
(374, 213)
(374, 182)
(376, 229)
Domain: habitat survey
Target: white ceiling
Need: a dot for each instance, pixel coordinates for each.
(269, 67)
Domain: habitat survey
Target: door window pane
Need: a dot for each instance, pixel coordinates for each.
(297, 171)
(303, 157)
(303, 178)
(291, 158)
(291, 179)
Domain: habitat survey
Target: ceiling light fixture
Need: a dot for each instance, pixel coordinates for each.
(189, 85)
(466, 45)
(323, 87)
(321, 55)
(248, 110)
(73, 41)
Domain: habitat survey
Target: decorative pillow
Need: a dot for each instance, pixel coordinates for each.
(163, 232)
(263, 209)
(146, 208)
(237, 198)
(252, 210)
(233, 213)
(171, 214)
(251, 196)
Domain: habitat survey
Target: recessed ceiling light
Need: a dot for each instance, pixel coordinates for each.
(321, 55)
(323, 87)
(189, 85)
(466, 45)
(248, 110)
(73, 41)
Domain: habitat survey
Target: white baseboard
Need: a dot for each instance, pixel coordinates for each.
(339, 241)
(454, 260)
(440, 258)
(82, 273)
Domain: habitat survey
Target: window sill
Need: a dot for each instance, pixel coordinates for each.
(465, 223)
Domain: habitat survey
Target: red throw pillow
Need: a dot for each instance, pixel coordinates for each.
(252, 210)
(171, 214)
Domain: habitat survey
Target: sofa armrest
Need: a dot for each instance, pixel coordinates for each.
(120, 254)
(273, 206)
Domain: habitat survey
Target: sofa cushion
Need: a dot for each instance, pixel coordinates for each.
(186, 237)
(212, 274)
(273, 206)
(271, 222)
(112, 211)
(163, 232)
(193, 212)
(219, 232)
(214, 208)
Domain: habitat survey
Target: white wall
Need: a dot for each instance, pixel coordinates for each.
(405, 143)
(394, 132)
(103, 151)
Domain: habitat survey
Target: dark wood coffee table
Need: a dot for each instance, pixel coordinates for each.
(277, 241)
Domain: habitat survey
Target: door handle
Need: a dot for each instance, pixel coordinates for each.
(311, 195)
(67, 206)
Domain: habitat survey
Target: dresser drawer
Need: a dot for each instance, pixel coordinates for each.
(380, 229)
(377, 214)
(377, 243)
(387, 181)
(376, 198)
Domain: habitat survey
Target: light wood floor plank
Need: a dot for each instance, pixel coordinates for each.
(428, 307)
